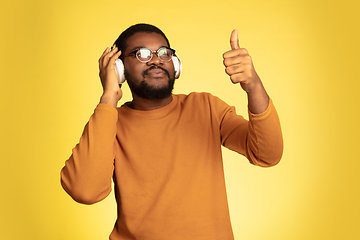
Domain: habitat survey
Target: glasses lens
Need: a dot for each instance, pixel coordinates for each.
(164, 54)
(143, 54)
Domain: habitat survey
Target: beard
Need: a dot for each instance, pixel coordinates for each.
(150, 92)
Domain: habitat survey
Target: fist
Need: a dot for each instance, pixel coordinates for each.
(239, 66)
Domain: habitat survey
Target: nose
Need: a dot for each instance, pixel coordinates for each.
(155, 60)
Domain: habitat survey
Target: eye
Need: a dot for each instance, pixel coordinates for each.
(164, 53)
(144, 54)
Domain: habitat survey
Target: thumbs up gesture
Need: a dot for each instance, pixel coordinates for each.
(239, 65)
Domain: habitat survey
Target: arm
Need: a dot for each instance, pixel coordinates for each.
(259, 139)
(264, 143)
(87, 174)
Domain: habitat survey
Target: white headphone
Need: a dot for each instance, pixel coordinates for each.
(119, 67)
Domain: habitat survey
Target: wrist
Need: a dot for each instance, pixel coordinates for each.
(258, 99)
(109, 99)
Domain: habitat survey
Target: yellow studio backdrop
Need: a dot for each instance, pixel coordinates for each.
(306, 52)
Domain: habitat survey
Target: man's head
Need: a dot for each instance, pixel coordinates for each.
(121, 42)
(155, 78)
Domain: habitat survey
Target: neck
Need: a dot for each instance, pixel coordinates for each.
(147, 105)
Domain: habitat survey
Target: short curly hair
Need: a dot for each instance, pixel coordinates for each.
(121, 41)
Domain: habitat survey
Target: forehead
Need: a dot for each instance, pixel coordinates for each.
(150, 40)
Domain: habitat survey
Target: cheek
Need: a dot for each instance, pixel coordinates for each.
(170, 67)
(134, 70)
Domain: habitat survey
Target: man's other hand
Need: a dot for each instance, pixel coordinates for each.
(112, 92)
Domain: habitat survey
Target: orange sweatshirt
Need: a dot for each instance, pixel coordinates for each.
(167, 165)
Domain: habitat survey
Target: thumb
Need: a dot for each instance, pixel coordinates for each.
(234, 40)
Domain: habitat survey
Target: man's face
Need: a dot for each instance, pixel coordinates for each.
(153, 79)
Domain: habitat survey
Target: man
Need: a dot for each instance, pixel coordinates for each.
(163, 150)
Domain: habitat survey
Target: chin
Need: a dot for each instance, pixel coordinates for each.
(150, 92)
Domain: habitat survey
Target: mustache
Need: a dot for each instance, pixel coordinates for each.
(155, 67)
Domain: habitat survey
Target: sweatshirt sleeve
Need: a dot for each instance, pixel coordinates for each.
(259, 139)
(87, 174)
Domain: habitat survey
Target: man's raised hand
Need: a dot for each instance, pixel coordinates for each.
(239, 66)
(112, 92)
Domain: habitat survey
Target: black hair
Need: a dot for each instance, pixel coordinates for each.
(121, 41)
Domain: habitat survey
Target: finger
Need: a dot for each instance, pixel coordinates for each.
(118, 54)
(102, 56)
(108, 56)
(111, 52)
(238, 77)
(114, 58)
(234, 69)
(104, 53)
(234, 40)
(235, 56)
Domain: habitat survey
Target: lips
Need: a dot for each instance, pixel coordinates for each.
(156, 71)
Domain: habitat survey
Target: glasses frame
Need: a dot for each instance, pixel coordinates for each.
(152, 54)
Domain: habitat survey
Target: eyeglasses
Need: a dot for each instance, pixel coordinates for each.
(145, 54)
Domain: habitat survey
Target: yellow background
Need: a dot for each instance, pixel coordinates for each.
(306, 52)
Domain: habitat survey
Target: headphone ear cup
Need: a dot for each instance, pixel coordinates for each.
(177, 65)
(119, 69)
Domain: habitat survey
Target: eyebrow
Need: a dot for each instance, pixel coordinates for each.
(138, 47)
